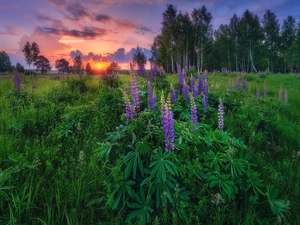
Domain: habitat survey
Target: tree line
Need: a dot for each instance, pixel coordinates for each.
(246, 44)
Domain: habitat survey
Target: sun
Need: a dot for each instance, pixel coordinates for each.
(99, 67)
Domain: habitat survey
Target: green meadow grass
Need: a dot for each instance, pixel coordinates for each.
(50, 172)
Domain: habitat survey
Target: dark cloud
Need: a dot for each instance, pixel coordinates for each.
(102, 18)
(87, 32)
(119, 56)
(59, 3)
(143, 30)
(76, 11)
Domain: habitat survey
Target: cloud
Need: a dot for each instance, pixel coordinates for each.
(10, 30)
(102, 18)
(59, 3)
(119, 56)
(86, 32)
(76, 11)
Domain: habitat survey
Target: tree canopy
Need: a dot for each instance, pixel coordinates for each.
(62, 66)
(42, 64)
(5, 64)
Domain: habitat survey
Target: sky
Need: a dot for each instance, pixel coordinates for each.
(102, 31)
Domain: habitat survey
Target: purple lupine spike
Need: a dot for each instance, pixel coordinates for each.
(229, 85)
(238, 85)
(265, 89)
(200, 84)
(168, 124)
(205, 75)
(280, 93)
(220, 115)
(17, 82)
(286, 97)
(186, 92)
(205, 99)
(153, 72)
(135, 93)
(128, 107)
(149, 90)
(173, 94)
(194, 89)
(153, 101)
(257, 94)
(194, 117)
(245, 84)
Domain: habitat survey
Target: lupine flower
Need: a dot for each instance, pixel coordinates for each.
(257, 93)
(205, 75)
(200, 84)
(280, 93)
(168, 124)
(173, 94)
(220, 115)
(205, 99)
(265, 89)
(151, 97)
(229, 85)
(194, 117)
(185, 91)
(245, 84)
(286, 97)
(135, 93)
(17, 82)
(33, 85)
(128, 107)
(153, 72)
(193, 87)
(238, 85)
(142, 71)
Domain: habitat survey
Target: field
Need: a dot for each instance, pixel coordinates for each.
(70, 155)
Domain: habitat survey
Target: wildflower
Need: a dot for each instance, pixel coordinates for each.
(265, 89)
(280, 93)
(286, 97)
(17, 82)
(128, 110)
(200, 84)
(245, 84)
(173, 94)
(151, 97)
(185, 91)
(205, 99)
(194, 117)
(220, 115)
(135, 93)
(257, 93)
(238, 85)
(168, 124)
(229, 85)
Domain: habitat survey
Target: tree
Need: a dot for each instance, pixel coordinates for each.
(77, 64)
(88, 69)
(20, 68)
(140, 60)
(62, 66)
(42, 64)
(31, 52)
(5, 64)
(112, 68)
(203, 31)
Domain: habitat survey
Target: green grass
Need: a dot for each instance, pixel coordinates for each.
(51, 173)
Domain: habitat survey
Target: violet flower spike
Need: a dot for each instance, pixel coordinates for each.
(186, 92)
(173, 94)
(17, 82)
(128, 107)
(220, 115)
(205, 99)
(135, 93)
(168, 125)
(200, 84)
(194, 117)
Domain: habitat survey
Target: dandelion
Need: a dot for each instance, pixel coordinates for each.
(220, 115)
(135, 93)
(128, 107)
(168, 124)
(194, 117)
(17, 82)
(286, 97)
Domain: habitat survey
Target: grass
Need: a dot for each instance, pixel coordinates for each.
(51, 172)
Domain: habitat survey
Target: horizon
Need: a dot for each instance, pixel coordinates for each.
(108, 30)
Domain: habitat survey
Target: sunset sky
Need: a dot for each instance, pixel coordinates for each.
(107, 30)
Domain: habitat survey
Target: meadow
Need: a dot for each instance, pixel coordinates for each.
(70, 154)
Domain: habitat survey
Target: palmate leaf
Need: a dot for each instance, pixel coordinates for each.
(132, 162)
(278, 206)
(142, 212)
(254, 182)
(236, 167)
